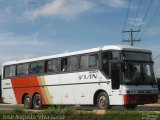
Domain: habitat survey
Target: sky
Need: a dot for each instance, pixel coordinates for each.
(34, 28)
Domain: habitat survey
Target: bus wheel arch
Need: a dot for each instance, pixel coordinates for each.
(37, 101)
(99, 95)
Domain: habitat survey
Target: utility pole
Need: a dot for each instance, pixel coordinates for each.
(132, 40)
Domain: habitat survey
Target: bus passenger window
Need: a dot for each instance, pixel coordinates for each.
(19, 69)
(25, 69)
(93, 61)
(7, 71)
(64, 64)
(53, 65)
(89, 61)
(84, 62)
(22, 69)
(37, 67)
(73, 61)
(12, 70)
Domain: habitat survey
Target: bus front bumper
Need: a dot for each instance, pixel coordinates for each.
(140, 99)
(1, 100)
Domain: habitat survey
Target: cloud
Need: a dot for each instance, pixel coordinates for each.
(135, 21)
(11, 39)
(15, 46)
(60, 8)
(115, 3)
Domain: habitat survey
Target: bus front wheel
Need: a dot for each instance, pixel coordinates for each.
(103, 101)
(27, 102)
(37, 102)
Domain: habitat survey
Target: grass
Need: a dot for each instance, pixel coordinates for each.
(67, 113)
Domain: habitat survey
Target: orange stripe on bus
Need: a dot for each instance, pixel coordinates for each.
(24, 85)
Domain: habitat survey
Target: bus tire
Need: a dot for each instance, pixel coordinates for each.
(37, 102)
(27, 102)
(103, 101)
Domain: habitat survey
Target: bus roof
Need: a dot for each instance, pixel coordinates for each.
(107, 47)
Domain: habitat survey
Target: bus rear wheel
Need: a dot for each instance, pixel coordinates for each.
(27, 102)
(37, 102)
(103, 101)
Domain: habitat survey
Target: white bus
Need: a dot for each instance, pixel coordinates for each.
(103, 77)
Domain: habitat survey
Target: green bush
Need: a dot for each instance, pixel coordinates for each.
(67, 113)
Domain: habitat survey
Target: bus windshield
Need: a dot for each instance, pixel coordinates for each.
(139, 73)
(137, 56)
(138, 68)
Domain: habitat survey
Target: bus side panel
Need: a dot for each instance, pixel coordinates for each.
(54, 91)
(7, 92)
(28, 85)
(89, 83)
(67, 83)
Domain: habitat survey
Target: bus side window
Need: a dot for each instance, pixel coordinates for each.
(64, 64)
(73, 62)
(93, 61)
(9, 71)
(19, 69)
(37, 67)
(6, 71)
(84, 61)
(89, 61)
(12, 70)
(25, 70)
(53, 65)
(22, 69)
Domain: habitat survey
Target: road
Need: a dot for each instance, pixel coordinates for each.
(139, 108)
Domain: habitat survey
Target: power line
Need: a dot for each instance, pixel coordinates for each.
(137, 11)
(152, 18)
(146, 13)
(132, 40)
(126, 18)
(156, 57)
(156, 18)
(127, 14)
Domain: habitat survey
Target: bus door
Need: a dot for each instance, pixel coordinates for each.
(115, 74)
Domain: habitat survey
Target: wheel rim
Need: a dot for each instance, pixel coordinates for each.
(27, 101)
(102, 101)
(37, 102)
